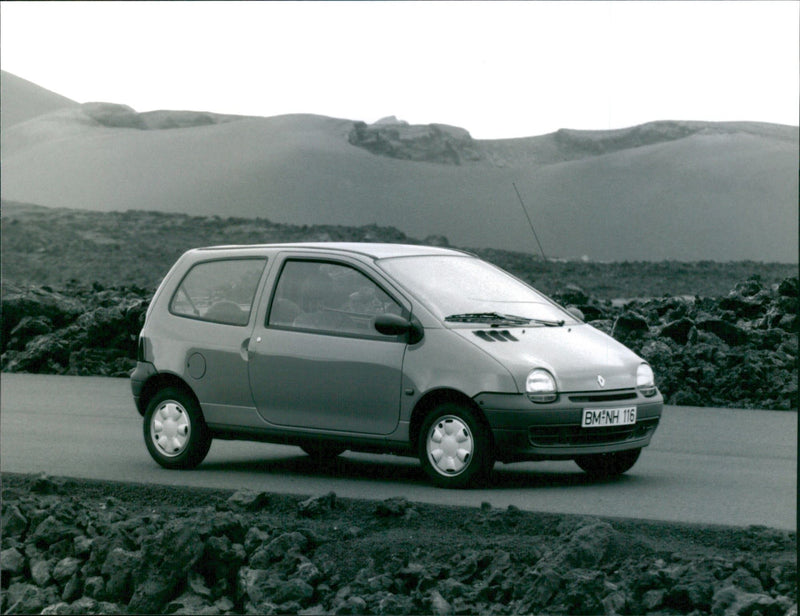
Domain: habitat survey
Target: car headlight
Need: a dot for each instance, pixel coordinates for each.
(645, 380)
(540, 386)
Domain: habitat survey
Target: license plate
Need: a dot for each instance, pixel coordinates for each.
(602, 418)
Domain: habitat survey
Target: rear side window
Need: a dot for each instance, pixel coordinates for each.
(219, 291)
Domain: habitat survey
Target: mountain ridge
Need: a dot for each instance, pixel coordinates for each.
(683, 190)
(27, 100)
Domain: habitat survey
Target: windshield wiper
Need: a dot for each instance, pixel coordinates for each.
(496, 319)
(558, 323)
(491, 317)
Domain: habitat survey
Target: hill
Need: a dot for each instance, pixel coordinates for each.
(665, 190)
(22, 100)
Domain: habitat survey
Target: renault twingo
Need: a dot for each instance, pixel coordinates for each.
(403, 349)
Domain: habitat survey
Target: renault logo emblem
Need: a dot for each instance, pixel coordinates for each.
(601, 381)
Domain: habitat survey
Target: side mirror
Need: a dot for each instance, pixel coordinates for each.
(576, 312)
(395, 325)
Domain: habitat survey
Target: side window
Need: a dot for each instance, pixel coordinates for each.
(329, 297)
(219, 291)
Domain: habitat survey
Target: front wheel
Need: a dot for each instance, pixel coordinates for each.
(603, 465)
(174, 430)
(455, 447)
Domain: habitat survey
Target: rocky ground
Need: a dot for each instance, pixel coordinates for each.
(77, 547)
(738, 350)
(77, 329)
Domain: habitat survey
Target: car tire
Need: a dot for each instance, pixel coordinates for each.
(322, 451)
(455, 447)
(603, 465)
(175, 432)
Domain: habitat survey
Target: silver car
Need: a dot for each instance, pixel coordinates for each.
(409, 350)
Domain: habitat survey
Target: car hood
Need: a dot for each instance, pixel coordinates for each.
(575, 355)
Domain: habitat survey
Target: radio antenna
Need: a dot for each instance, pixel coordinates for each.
(530, 222)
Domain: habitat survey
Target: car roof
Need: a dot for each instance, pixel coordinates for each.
(369, 249)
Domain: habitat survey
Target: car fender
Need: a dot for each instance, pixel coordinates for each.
(444, 360)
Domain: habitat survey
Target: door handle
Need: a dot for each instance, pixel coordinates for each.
(243, 351)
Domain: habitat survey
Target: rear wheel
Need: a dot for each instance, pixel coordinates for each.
(455, 447)
(608, 464)
(174, 430)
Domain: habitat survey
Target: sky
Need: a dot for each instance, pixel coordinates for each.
(497, 69)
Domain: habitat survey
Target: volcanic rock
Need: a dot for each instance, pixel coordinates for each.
(630, 324)
(248, 500)
(733, 601)
(678, 330)
(705, 351)
(731, 334)
(317, 505)
(435, 143)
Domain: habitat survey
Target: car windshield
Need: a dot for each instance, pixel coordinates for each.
(468, 290)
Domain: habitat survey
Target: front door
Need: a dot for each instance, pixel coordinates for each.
(316, 361)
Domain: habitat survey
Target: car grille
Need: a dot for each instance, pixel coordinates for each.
(606, 396)
(559, 436)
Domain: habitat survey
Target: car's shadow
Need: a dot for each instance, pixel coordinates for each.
(401, 471)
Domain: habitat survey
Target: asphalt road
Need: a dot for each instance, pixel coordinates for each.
(722, 466)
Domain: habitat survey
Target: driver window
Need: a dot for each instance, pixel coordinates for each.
(328, 297)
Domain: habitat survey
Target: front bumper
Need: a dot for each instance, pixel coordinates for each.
(523, 430)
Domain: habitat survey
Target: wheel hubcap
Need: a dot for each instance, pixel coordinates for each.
(170, 428)
(450, 445)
